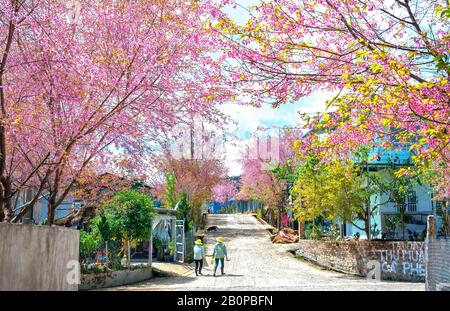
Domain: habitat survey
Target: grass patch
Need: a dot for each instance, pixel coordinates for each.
(298, 257)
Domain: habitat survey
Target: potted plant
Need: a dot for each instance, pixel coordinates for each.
(169, 257)
(159, 249)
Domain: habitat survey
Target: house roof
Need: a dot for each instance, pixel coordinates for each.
(165, 211)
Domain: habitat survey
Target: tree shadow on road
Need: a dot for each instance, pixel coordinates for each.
(163, 282)
(155, 283)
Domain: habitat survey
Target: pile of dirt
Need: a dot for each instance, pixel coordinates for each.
(286, 235)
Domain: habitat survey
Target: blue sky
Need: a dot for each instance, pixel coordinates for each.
(248, 118)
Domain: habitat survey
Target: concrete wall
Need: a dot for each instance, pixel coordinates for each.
(114, 278)
(437, 254)
(35, 257)
(398, 261)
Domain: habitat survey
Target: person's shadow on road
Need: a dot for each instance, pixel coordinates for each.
(220, 275)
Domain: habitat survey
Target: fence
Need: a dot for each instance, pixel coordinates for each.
(189, 239)
(437, 256)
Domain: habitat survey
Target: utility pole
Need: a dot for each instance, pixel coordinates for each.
(192, 140)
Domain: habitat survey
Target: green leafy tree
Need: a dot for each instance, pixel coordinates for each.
(309, 192)
(102, 225)
(170, 194)
(131, 216)
(184, 210)
(350, 193)
(336, 190)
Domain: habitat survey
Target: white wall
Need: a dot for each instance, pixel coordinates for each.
(36, 257)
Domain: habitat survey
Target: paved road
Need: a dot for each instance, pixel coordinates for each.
(257, 264)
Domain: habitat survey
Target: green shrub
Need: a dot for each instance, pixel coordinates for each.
(259, 213)
(313, 232)
(316, 232)
(88, 245)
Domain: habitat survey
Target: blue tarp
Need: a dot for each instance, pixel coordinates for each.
(241, 206)
(216, 206)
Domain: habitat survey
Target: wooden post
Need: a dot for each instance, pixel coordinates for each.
(150, 248)
(301, 229)
(431, 234)
(173, 223)
(431, 227)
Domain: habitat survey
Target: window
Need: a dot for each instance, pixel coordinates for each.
(409, 203)
(412, 201)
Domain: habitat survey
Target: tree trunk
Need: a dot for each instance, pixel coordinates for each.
(280, 218)
(367, 229)
(2, 168)
(367, 224)
(403, 226)
(106, 252)
(2, 213)
(301, 229)
(447, 219)
(402, 219)
(51, 211)
(7, 197)
(2, 199)
(128, 253)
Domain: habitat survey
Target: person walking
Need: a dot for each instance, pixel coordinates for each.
(219, 254)
(199, 255)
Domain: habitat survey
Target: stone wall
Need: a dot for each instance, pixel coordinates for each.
(114, 278)
(437, 254)
(36, 257)
(437, 257)
(398, 261)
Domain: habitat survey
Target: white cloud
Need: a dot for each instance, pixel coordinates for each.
(249, 118)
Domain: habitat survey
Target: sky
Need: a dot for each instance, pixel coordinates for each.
(248, 119)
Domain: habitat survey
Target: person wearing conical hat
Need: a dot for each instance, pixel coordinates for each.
(199, 255)
(219, 254)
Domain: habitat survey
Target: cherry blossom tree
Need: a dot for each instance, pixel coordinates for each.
(94, 89)
(386, 61)
(196, 178)
(265, 178)
(225, 191)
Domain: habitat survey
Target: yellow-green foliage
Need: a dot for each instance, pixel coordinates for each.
(331, 190)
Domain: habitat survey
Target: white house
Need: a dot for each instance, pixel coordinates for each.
(417, 204)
